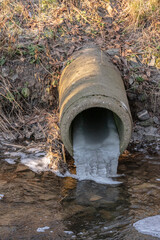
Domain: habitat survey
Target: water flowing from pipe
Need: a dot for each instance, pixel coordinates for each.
(95, 145)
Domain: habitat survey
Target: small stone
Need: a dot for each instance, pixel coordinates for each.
(131, 80)
(113, 51)
(151, 130)
(151, 134)
(147, 122)
(143, 115)
(14, 77)
(5, 71)
(132, 96)
(156, 120)
(28, 134)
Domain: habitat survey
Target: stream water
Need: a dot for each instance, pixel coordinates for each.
(37, 204)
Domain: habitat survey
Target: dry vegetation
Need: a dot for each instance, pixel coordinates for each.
(142, 21)
(37, 37)
(143, 13)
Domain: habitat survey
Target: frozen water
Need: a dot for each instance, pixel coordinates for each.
(36, 162)
(68, 232)
(1, 196)
(96, 145)
(149, 226)
(10, 160)
(43, 229)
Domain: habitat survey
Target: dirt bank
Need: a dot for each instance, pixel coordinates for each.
(36, 44)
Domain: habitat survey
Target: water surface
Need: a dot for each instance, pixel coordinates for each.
(40, 205)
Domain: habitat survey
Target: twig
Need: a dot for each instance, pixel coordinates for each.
(77, 10)
(63, 151)
(46, 69)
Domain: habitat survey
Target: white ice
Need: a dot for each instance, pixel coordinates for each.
(149, 226)
(96, 146)
(1, 196)
(37, 162)
(68, 232)
(10, 160)
(43, 229)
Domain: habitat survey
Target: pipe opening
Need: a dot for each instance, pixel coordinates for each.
(96, 123)
(96, 144)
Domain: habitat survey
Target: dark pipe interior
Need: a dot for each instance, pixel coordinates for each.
(94, 121)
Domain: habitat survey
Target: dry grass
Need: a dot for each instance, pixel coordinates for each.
(143, 12)
(42, 34)
(28, 31)
(141, 19)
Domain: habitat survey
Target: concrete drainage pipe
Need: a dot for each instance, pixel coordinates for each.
(92, 81)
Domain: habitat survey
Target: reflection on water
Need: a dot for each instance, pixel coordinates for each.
(43, 206)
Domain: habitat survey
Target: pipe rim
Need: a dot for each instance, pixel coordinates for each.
(84, 103)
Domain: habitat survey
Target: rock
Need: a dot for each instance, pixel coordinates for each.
(113, 51)
(138, 133)
(131, 80)
(156, 120)
(143, 115)
(151, 134)
(28, 134)
(14, 77)
(156, 77)
(151, 130)
(147, 122)
(142, 97)
(5, 71)
(132, 96)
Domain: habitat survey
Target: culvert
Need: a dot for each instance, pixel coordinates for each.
(92, 81)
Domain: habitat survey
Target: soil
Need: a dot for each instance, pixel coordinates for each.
(29, 77)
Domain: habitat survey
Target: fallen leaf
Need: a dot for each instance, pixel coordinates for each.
(95, 198)
(148, 72)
